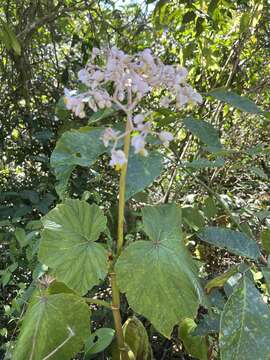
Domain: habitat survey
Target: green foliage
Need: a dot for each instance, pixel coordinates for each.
(142, 171)
(98, 341)
(245, 318)
(234, 241)
(136, 338)
(158, 275)
(69, 247)
(196, 346)
(50, 324)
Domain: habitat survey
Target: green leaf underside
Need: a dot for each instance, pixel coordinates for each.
(76, 147)
(99, 340)
(159, 275)
(142, 171)
(204, 131)
(46, 326)
(245, 331)
(234, 241)
(68, 244)
(196, 346)
(235, 100)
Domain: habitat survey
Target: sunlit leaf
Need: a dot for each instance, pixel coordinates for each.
(158, 275)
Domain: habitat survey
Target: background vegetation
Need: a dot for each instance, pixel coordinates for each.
(43, 44)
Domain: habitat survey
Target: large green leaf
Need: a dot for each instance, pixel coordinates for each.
(60, 321)
(234, 241)
(68, 244)
(142, 171)
(204, 131)
(235, 100)
(159, 275)
(76, 147)
(245, 331)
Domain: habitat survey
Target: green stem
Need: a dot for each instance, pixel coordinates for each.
(120, 240)
(122, 189)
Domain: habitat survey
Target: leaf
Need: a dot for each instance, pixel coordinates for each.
(266, 275)
(245, 332)
(9, 38)
(98, 341)
(204, 131)
(204, 163)
(194, 345)
(210, 209)
(68, 244)
(76, 147)
(244, 22)
(220, 281)
(265, 239)
(21, 237)
(136, 338)
(55, 320)
(235, 100)
(142, 171)
(102, 114)
(193, 218)
(209, 324)
(159, 276)
(234, 241)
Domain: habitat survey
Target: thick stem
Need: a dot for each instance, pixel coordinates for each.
(122, 189)
(115, 291)
(117, 318)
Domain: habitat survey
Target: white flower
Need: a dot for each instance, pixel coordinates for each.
(118, 159)
(144, 128)
(138, 119)
(84, 77)
(165, 137)
(74, 103)
(139, 143)
(108, 135)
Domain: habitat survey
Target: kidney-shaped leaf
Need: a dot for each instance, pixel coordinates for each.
(142, 171)
(68, 244)
(234, 241)
(245, 331)
(55, 327)
(75, 147)
(159, 275)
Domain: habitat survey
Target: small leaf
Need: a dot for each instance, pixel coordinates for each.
(235, 100)
(98, 341)
(245, 318)
(142, 171)
(102, 114)
(159, 276)
(194, 345)
(220, 281)
(21, 237)
(193, 218)
(265, 239)
(10, 38)
(204, 131)
(204, 163)
(136, 338)
(69, 247)
(234, 241)
(76, 147)
(60, 320)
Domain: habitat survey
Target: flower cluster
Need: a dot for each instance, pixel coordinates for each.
(130, 78)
